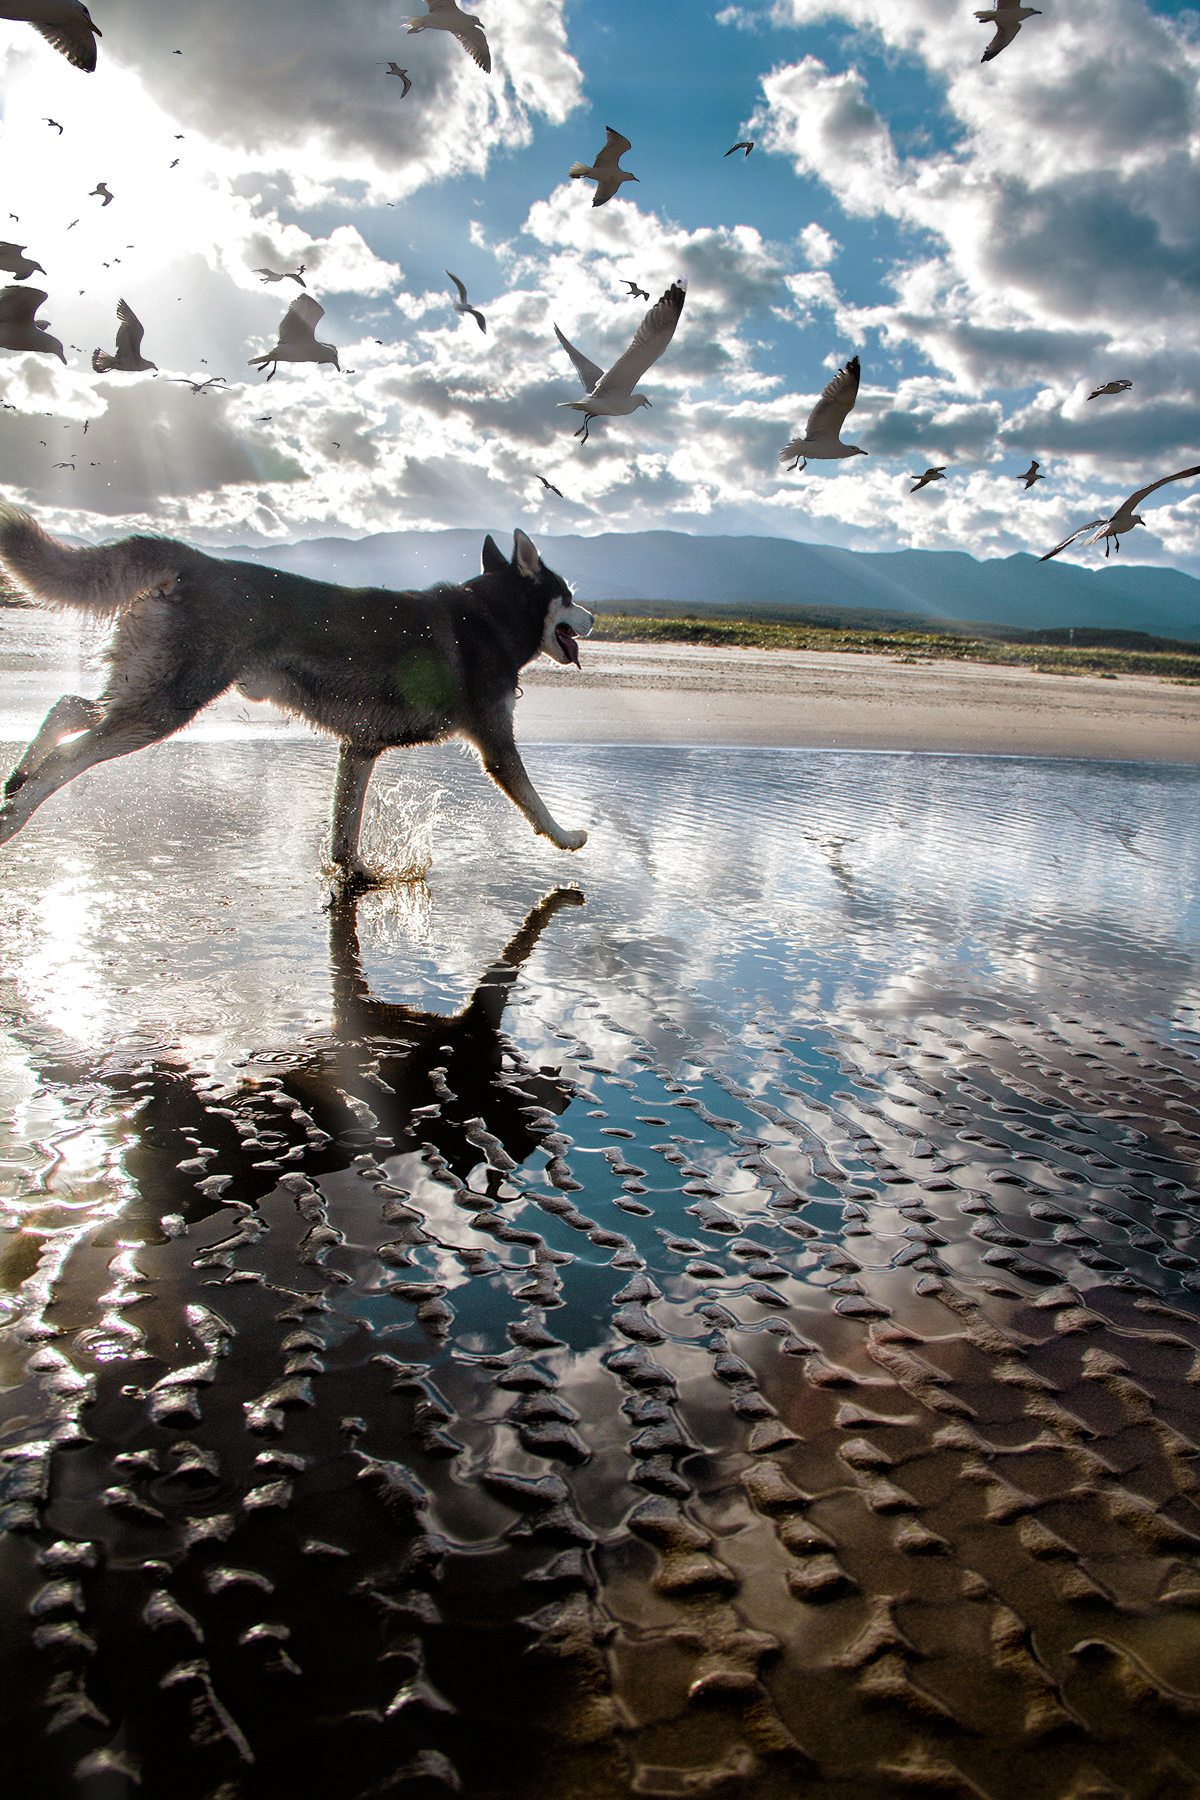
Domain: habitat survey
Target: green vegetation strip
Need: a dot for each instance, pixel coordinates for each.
(902, 646)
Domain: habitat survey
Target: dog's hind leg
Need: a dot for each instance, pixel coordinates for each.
(502, 760)
(355, 766)
(119, 731)
(70, 714)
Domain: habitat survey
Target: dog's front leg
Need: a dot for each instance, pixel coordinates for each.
(355, 766)
(502, 761)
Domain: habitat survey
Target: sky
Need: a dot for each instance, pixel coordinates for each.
(992, 240)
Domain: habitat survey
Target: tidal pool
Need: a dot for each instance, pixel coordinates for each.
(717, 1314)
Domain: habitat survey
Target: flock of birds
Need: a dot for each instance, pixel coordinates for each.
(608, 393)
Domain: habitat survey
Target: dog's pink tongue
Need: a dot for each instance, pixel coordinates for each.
(566, 638)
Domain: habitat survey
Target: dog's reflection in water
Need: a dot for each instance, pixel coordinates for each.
(235, 1502)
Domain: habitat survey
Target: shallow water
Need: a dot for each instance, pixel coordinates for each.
(729, 1325)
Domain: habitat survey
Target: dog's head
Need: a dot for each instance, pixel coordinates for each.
(563, 620)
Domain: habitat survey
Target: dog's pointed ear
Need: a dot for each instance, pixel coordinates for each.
(525, 556)
(494, 558)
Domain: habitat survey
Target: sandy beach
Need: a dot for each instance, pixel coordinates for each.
(692, 694)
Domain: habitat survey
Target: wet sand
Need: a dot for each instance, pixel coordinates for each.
(692, 694)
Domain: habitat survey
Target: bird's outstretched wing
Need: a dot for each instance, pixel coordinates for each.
(75, 38)
(130, 330)
(1090, 526)
(1135, 500)
(589, 372)
(478, 317)
(650, 340)
(18, 305)
(462, 292)
(746, 144)
(1003, 38)
(837, 397)
(614, 149)
(299, 322)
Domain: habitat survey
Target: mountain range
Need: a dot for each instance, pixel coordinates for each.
(892, 589)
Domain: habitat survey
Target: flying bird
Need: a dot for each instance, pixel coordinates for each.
(822, 440)
(101, 189)
(747, 144)
(14, 259)
(1123, 520)
(607, 172)
(297, 340)
(395, 69)
(1031, 474)
(444, 15)
(55, 124)
(64, 465)
(551, 486)
(198, 387)
(18, 328)
(296, 275)
(925, 479)
(174, 165)
(1111, 387)
(610, 393)
(1008, 17)
(128, 359)
(64, 23)
(635, 292)
(462, 305)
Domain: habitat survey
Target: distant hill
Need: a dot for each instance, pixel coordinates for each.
(890, 590)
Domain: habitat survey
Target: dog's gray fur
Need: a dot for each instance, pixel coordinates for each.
(378, 669)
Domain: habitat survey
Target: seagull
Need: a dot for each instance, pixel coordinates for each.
(198, 387)
(296, 275)
(55, 124)
(1031, 474)
(462, 306)
(297, 342)
(747, 144)
(610, 393)
(822, 441)
(14, 259)
(444, 15)
(101, 188)
(64, 23)
(128, 359)
(635, 292)
(64, 465)
(395, 69)
(607, 172)
(18, 328)
(1123, 520)
(1008, 17)
(1111, 387)
(925, 479)
(551, 486)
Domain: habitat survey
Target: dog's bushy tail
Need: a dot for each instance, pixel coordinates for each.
(103, 579)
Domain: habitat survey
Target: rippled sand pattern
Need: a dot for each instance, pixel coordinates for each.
(730, 1328)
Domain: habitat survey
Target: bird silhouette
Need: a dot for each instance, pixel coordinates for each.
(1008, 17)
(297, 339)
(1031, 475)
(822, 440)
(444, 15)
(296, 275)
(19, 330)
(395, 69)
(610, 392)
(929, 476)
(606, 171)
(551, 486)
(64, 23)
(14, 259)
(747, 144)
(1124, 519)
(128, 359)
(1111, 387)
(55, 124)
(463, 306)
(199, 387)
(635, 292)
(101, 190)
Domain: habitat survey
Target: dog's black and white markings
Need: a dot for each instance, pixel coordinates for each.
(377, 669)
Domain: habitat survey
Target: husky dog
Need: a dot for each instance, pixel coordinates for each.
(376, 668)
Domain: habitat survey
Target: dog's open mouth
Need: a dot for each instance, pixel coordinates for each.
(564, 637)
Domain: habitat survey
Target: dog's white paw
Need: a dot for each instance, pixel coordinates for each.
(571, 840)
